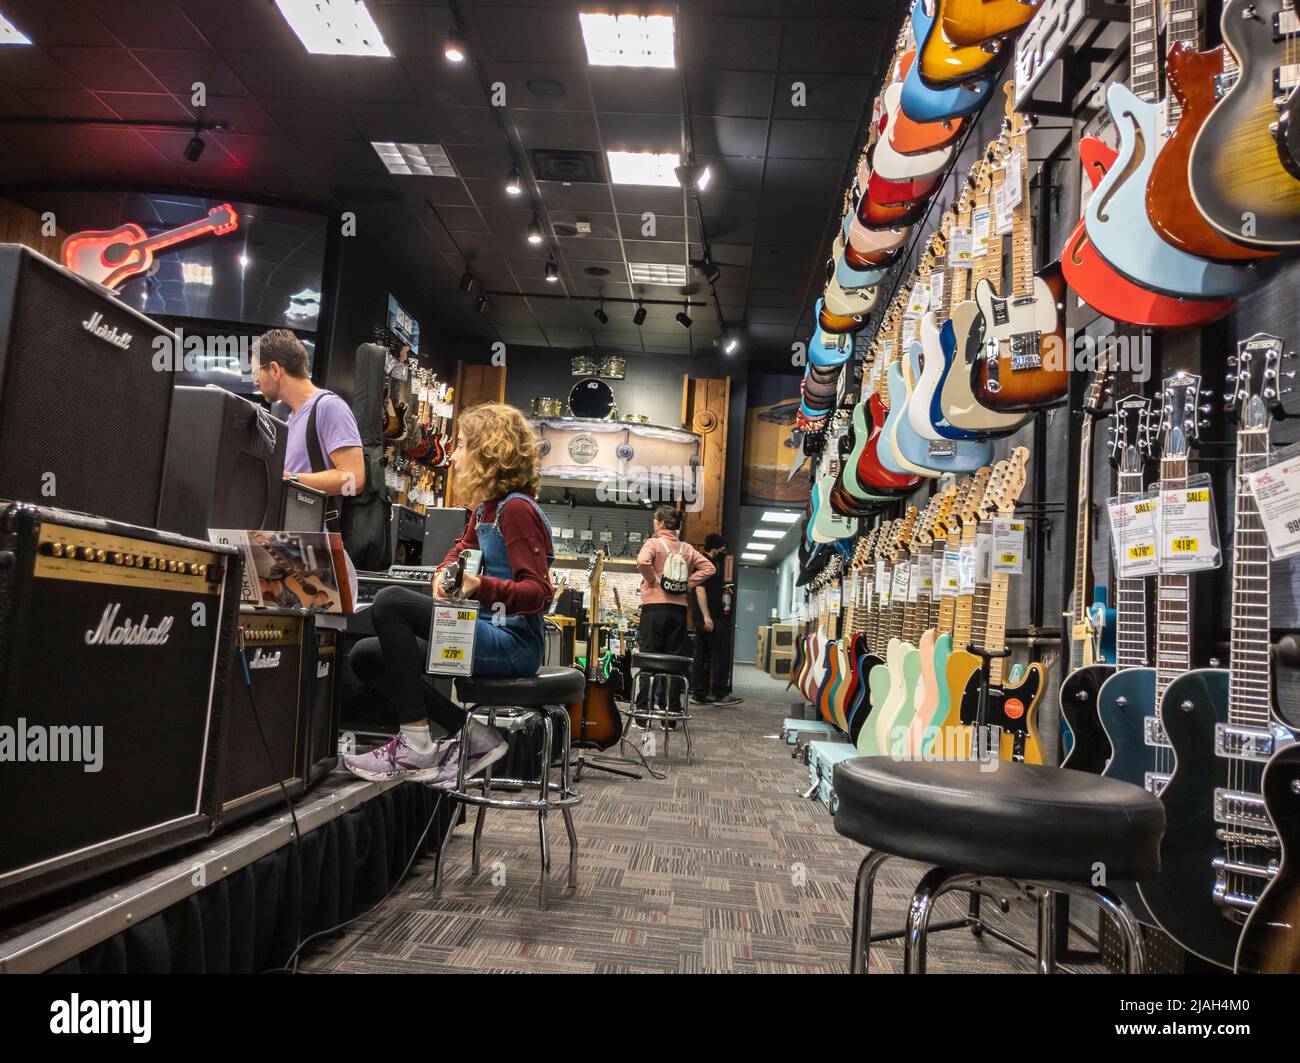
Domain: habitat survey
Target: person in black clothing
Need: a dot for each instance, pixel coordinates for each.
(712, 632)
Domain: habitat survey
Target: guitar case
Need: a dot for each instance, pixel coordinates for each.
(365, 516)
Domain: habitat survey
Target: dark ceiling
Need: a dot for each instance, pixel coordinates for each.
(300, 127)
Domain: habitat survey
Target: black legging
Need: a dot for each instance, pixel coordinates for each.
(394, 662)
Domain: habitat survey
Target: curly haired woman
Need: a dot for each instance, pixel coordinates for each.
(496, 458)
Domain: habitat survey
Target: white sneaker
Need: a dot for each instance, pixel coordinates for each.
(483, 746)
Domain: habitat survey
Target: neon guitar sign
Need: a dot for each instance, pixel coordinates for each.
(110, 256)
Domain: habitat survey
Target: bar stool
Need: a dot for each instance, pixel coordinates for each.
(545, 695)
(662, 673)
(1056, 829)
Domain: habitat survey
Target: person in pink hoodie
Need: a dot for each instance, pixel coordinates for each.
(663, 615)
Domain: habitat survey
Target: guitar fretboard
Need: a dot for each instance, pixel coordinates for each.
(1184, 28)
(1249, 691)
(1144, 71)
(1131, 639)
(1080, 650)
(1173, 600)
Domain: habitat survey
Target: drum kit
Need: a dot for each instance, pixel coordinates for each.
(611, 367)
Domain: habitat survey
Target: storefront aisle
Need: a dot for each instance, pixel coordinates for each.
(692, 873)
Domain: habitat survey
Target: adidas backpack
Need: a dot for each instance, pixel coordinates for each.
(676, 576)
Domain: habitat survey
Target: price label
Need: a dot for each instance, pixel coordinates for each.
(585, 534)
(634, 537)
(966, 570)
(566, 533)
(1277, 494)
(1002, 209)
(1008, 546)
(959, 248)
(452, 653)
(452, 629)
(1133, 536)
(882, 577)
(836, 598)
(950, 582)
(1187, 541)
(925, 575)
(979, 233)
(902, 577)
(920, 301)
(606, 536)
(1013, 180)
(936, 291)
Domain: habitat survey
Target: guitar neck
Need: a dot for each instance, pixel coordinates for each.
(1144, 53)
(1081, 649)
(1131, 641)
(1022, 230)
(1184, 27)
(995, 626)
(964, 615)
(1173, 600)
(1250, 688)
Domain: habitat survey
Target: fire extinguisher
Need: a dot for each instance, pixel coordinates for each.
(728, 593)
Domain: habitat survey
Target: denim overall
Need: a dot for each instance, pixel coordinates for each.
(505, 645)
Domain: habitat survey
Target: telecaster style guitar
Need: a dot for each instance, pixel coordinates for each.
(1240, 182)
(111, 256)
(1220, 847)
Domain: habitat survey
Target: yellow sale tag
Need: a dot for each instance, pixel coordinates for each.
(1184, 546)
(1198, 496)
(1141, 550)
(466, 614)
(453, 653)
(1009, 559)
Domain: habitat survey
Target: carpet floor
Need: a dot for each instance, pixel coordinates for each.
(722, 866)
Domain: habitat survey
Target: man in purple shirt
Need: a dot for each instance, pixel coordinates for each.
(280, 374)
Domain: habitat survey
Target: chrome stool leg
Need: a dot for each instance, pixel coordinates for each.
(566, 737)
(864, 888)
(1046, 932)
(544, 794)
(933, 884)
(478, 834)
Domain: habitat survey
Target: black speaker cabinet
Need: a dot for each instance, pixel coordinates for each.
(56, 327)
(406, 534)
(265, 741)
(301, 508)
(323, 708)
(114, 647)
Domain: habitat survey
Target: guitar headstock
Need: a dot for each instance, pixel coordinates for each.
(1094, 399)
(903, 532)
(921, 533)
(1181, 414)
(225, 219)
(975, 487)
(943, 503)
(1132, 434)
(1017, 475)
(1255, 378)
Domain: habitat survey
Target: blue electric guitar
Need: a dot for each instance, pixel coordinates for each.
(1220, 847)
(920, 102)
(1117, 223)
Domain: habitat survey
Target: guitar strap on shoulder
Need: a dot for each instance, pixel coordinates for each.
(316, 455)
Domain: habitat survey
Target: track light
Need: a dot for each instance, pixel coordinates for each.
(514, 183)
(600, 314)
(683, 318)
(708, 269)
(639, 317)
(194, 149)
(730, 344)
(466, 282)
(454, 49)
(480, 304)
(535, 231)
(552, 270)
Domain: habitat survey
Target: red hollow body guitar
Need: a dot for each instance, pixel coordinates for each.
(111, 256)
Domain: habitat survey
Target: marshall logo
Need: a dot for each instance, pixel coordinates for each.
(108, 333)
(264, 660)
(128, 632)
(322, 669)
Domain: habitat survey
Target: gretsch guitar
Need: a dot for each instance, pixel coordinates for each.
(1220, 846)
(1240, 181)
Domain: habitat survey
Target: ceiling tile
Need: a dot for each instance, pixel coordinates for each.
(110, 69)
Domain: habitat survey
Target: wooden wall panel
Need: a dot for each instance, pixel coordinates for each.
(19, 225)
(475, 385)
(704, 410)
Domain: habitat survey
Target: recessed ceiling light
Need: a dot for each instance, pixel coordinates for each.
(643, 168)
(628, 40)
(10, 34)
(763, 547)
(768, 533)
(657, 273)
(454, 48)
(753, 557)
(779, 516)
(420, 160)
(334, 27)
(552, 270)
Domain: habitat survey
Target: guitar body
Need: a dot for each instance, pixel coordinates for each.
(968, 454)
(863, 241)
(1110, 293)
(908, 137)
(1125, 701)
(862, 703)
(1169, 202)
(955, 400)
(796, 664)
(996, 383)
(826, 692)
(887, 193)
(900, 705)
(827, 525)
(595, 720)
(1235, 163)
(873, 215)
(923, 103)
(871, 469)
(1270, 940)
(1089, 747)
(1181, 896)
(925, 385)
(1117, 222)
(931, 698)
(892, 164)
(955, 733)
(943, 62)
(844, 688)
(973, 21)
(890, 456)
(878, 687)
(1012, 707)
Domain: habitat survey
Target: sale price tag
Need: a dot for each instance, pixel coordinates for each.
(1188, 540)
(451, 638)
(1133, 535)
(1008, 546)
(1277, 494)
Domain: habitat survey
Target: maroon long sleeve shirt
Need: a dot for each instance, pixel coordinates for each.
(528, 545)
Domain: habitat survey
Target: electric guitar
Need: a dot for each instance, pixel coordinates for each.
(871, 737)
(850, 633)
(1239, 180)
(926, 103)
(594, 721)
(1220, 847)
(1023, 363)
(976, 21)
(870, 650)
(944, 63)
(1193, 79)
(1109, 292)
(1117, 221)
(887, 160)
(872, 468)
(1008, 711)
(1078, 696)
(110, 256)
(1270, 940)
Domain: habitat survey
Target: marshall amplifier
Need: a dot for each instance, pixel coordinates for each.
(302, 509)
(264, 744)
(322, 744)
(55, 326)
(114, 648)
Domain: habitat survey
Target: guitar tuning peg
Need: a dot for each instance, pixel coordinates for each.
(1230, 378)
(1206, 407)
(1232, 359)
(1288, 356)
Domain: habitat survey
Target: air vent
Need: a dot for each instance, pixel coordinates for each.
(573, 167)
(563, 228)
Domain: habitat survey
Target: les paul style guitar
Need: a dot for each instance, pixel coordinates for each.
(594, 722)
(110, 256)
(1240, 182)
(1220, 846)
(1270, 940)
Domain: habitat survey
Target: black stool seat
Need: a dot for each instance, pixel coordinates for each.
(1022, 821)
(666, 663)
(550, 686)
